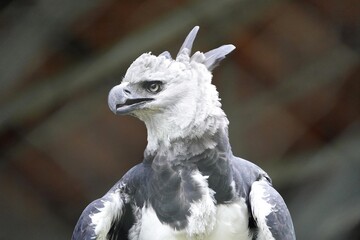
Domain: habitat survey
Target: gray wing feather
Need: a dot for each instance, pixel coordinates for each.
(109, 217)
(270, 212)
(104, 218)
(85, 229)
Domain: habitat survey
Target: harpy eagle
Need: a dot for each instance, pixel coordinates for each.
(189, 185)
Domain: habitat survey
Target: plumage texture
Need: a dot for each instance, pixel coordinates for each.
(189, 185)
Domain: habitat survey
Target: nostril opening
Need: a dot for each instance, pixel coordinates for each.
(127, 91)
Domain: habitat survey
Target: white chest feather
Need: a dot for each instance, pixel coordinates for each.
(230, 223)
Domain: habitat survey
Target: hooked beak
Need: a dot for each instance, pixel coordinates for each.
(122, 101)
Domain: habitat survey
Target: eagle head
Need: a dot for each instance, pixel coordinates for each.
(172, 96)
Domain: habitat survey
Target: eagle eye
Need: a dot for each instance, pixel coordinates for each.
(153, 86)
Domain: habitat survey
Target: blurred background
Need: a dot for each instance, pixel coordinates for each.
(291, 91)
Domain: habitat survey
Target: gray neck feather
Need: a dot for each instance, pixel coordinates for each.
(183, 149)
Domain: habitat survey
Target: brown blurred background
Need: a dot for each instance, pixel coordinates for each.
(291, 91)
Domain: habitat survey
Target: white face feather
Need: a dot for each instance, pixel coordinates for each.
(188, 104)
(174, 97)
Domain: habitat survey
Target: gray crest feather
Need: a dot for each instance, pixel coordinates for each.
(213, 57)
(166, 54)
(189, 40)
